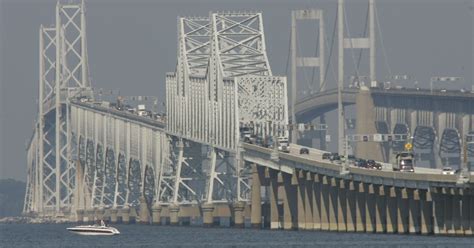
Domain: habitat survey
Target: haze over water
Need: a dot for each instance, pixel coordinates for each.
(55, 235)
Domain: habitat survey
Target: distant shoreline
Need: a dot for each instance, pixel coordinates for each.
(31, 220)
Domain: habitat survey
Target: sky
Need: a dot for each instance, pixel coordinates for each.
(132, 44)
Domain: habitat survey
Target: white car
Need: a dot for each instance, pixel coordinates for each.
(448, 171)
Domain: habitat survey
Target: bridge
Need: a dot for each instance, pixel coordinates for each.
(439, 122)
(90, 159)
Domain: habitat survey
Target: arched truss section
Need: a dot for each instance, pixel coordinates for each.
(98, 189)
(121, 186)
(450, 148)
(149, 185)
(89, 166)
(470, 151)
(400, 128)
(109, 178)
(423, 140)
(82, 151)
(134, 182)
(382, 128)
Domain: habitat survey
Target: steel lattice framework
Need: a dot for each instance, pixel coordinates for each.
(62, 74)
(223, 80)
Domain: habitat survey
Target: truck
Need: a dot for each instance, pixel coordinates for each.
(404, 162)
(283, 144)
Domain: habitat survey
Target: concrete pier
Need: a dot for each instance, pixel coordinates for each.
(238, 208)
(156, 215)
(300, 199)
(174, 217)
(317, 203)
(391, 210)
(125, 213)
(309, 201)
(80, 215)
(208, 214)
(113, 215)
(144, 214)
(256, 210)
(360, 208)
(274, 213)
(380, 210)
(324, 203)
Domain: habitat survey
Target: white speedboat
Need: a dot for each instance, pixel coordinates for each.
(101, 229)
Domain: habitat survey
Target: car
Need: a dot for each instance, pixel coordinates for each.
(448, 171)
(370, 164)
(443, 91)
(334, 157)
(326, 155)
(304, 151)
(360, 163)
(378, 166)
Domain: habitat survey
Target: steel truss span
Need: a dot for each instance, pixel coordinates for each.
(62, 74)
(222, 82)
(89, 160)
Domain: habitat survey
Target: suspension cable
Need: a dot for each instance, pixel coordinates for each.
(352, 48)
(382, 43)
(329, 63)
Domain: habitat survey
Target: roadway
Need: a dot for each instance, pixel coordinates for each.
(288, 162)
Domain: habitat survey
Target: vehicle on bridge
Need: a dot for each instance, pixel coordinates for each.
(448, 171)
(405, 162)
(283, 144)
(304, 150)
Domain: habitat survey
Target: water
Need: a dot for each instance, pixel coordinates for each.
(55, 235)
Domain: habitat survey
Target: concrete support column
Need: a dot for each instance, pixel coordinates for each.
(365, 124)
(360, 208)
(317, 203)
(125, 213)
(324, 203)
(350, 206)
(341, 207)
(80, 215)
(308, 201)
(99, 214)
(174, 214)
(289, 203)
(274, 214)
(370, 209)
(448, 212)
(208, 214)
(414, 211)
(471, 213)
(87, 217)
(239, 216)
(333, 205)
(466, 213)
(144, 211)
(256, 207)
(402, 210)
(300, 200)
(391, 208)
(156, 215)
(426, 207)
(380, 210)
(113, 215)
(457, 208)
(439, 212)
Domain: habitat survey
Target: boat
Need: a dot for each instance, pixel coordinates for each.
(101, 229)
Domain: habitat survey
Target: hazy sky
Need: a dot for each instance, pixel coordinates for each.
(132, 44)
